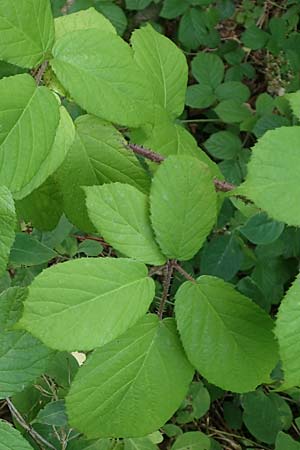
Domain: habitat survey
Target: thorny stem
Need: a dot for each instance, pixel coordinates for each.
(183, 272)
(168, 271)
(220, 185)
(41, 70)
(35, 436)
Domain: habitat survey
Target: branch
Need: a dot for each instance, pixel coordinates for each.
(34, 434)
(220, 185)
(183, 272)
(166, 286)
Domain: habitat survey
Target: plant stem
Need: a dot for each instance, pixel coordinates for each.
(220, 185)
(39, 75)
(183, 272)
(200, 120)
(166, 286)
(34, 434)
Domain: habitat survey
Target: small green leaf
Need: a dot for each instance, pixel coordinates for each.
(112, 86)
(200, 96)
(254, 37)
(223, 145)
(90, 248)
(173, 8)
(233, 90)
(260, 229)
(133, 385)
(53, 414)
(82, 304)
(118, 210)
(273, 174)
(208, 69)
(28, 251)
(232, 111)
(11, 301)
(139, 444)
(137, 4)
(192, 440)
(183, 206)
(265, 415)
(82, 20)
(7, 226)
(164, 65)
(226, 336)
(192, 29)
(10, 438)
(286, 442)
(27, 32)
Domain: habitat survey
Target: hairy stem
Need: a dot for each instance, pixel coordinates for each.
(168, 271)
(34, 434)
(183, 272)
(41, 70)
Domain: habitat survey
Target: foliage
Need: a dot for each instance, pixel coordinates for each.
(149, 225)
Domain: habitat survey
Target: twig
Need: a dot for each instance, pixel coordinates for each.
(200, 120)
(34, 434)
(183, 272)
(39, 75)
(220, 185)
(166, 286)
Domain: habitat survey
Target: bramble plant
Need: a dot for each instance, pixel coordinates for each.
(99, 214)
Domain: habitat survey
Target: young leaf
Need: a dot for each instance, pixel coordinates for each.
(120, 213)
(183, 205)
(27, 32)
(226, 336)
(111, 86)
(7, 226)
(273, 173)
(208, 69)
(133, 385)
(82, 20)
(28, 251)
(85, 303)
(22, 359)
(10, 438)
(287, 331)
(97, 156)
(164, 64)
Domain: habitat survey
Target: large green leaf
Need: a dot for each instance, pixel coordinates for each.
(7, 226)
(273, 171)
(226, 336)
(133, 385)
(287, 331)
(22, 359)
(86, 303)
(183, 205)
(97, 156)
(120, 213)
(98, 70)
(35, 134)
(164, 64)
(82, 20)
(11, 439)
(27, 31)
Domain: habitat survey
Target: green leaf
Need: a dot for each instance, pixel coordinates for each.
(28, 251)
(208, 69)
(273, 174)
(225, 335)
(137, 4)
(232, 111)
(173, 8)
(27, 32)
(98, 155)
(183, 205)
(192, 29)
(164, 65)
(286, 442)
(11, 301)
(53, 414)
(43, 207)
(11, 439)
(287, 332)
(7, 226)
(266, 415)
(233, 90)
(114, 14)
(120, 213)
(200, 96)
(254, 37)
(82, 20)
(133, 385)
(90, 248)
(192, 440)
(112, 86)
(85, 303)
(260, 229)
(35, 136)
(222, 257)
(139, 444)
(294, 101)
(223, 145)
(22, 359)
